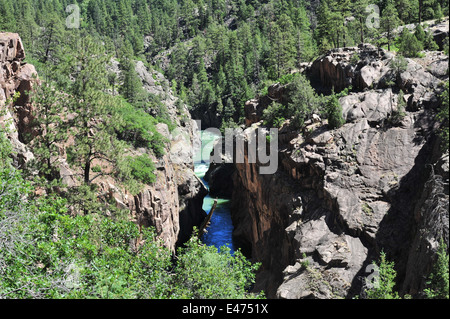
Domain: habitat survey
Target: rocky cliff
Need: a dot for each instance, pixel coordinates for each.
(16, 77)
(173, 204)
(341, 196)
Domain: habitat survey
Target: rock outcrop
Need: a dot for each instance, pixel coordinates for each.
(16, 76)
(340, 196)
(184, 139)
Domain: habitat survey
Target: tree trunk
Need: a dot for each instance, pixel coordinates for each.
(420, 10)
(87, 167)
(87, 170)
(361, 29)
(389, 40)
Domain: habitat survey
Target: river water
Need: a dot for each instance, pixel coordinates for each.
(219, 233)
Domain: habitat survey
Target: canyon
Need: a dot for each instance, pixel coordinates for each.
(338, 198)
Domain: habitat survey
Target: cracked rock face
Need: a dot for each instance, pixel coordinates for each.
(340, 196)
(16, 76)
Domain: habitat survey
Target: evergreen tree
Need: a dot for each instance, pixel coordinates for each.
(408, 10)
(438, 282)
(323, 30)
(131, 88)
(360, 15)
(389, 21)
(409, 45)
(51, 40)
(52, 131)
(304, 43)
(384, 286)
(334, 112)
(91, 127)
(398, 114)
(443, 118)
(282, 52)
(419, 33)
(7, 16)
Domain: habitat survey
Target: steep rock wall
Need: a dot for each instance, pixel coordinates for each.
(16, 76)
(340, 196)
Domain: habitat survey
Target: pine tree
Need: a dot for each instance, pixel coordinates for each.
(304, 43)
(52, 131)
(384, 288)
(389, 21)
(282, 52)
(51, 40)
(7, 16)
(334, 112)
(419, 33)
(323, 30)
(131, 88)
(409, 45)
(398, 114)
(303, 101)
(360, 15)
(92, 126)
(438, 280)
(408, 10)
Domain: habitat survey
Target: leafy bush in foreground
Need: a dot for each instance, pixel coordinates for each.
(47, 253)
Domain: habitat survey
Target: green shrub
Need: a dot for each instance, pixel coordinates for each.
(409, 45)
(398, 114)
(5, 150)
(419, 33)
(446, 46)
(47, 253)
(139, 128)
(203, 273)
(355, 59)
(142, 168)
(302, 102)
(443, 118)
(438, 283)
(274, 114)
(384, 287)
(334, 112)
(398, 65)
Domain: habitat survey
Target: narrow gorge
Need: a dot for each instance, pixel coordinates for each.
(219, 231)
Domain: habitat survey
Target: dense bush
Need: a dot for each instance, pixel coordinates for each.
(139, 128)
(438, 281)
(334, 112)
(204, 273)
(302, 102)
(409, 45)
(383, 287)
(274, 114)
(142, 169)
(47, 253)
(443, 117)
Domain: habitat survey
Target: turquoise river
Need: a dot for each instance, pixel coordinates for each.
(219, 233)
